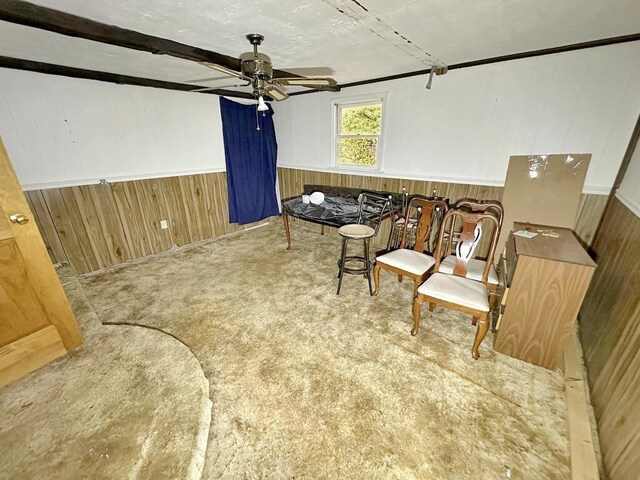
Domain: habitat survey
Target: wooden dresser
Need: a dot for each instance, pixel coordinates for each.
(546, 280)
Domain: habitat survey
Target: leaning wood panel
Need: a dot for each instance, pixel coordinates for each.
(610, 334)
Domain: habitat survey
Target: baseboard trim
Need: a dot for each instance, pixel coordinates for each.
(584, 460)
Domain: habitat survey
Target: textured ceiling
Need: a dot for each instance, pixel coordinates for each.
(357, 39)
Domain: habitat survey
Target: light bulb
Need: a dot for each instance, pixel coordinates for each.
(262, 107)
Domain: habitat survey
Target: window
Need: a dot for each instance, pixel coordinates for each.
(358, 134)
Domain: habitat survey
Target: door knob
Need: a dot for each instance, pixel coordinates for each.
(18, 218)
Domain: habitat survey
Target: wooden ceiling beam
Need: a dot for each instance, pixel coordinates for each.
(52, 69)
(30, 15)
(503, 58)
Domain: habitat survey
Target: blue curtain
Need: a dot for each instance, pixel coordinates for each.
(251, 161)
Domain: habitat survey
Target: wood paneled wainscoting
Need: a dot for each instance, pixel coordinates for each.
(99, 226)
(292, 181)
(610, 332)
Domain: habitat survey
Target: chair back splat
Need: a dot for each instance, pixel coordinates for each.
(490, 206)
(472, 205)
(427, 214)
(473, 225)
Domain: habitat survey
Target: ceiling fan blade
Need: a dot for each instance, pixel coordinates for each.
(226, 70)
(307, 72)
(207, 79)
(307, 82)
(206, 89)
(275, 92)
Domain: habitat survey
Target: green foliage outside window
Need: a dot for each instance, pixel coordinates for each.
(358, 151)
(358, 134)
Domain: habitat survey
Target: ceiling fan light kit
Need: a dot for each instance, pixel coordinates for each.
(262, 107)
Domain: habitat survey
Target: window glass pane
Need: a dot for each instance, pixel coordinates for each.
(360, 151)
(361, 119)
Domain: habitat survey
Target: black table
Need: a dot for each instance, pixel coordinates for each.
(335, 211)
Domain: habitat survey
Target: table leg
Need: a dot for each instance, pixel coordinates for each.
(321, 229)
(285, 221)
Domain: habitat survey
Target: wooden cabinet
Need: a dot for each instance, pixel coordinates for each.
(546, 281)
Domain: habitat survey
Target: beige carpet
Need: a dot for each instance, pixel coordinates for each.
(130, 403)
(307, 384)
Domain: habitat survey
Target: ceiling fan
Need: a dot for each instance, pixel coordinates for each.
(256, 70)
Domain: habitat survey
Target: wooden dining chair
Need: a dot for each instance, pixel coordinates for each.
(455, 290)
(475, 266)
(411, 260)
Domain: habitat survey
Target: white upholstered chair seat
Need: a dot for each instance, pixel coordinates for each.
(356, 230)
(410, 261)
(459, 290)
(475, 268)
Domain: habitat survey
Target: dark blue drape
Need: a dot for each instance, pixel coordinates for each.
(251, 161)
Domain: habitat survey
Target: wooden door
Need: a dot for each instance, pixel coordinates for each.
(36, 321)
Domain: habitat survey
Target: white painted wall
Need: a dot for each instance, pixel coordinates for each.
(629, 190)
(62, 131)
(465, 128)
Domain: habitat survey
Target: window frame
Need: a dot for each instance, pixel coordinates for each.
(361, 100)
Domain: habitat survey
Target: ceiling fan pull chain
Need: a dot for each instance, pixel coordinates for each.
(257, 120)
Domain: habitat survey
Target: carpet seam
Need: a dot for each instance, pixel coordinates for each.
(195, 470)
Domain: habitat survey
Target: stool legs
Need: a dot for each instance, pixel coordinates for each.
(367, 264)
(365, 270)
(342, 261)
